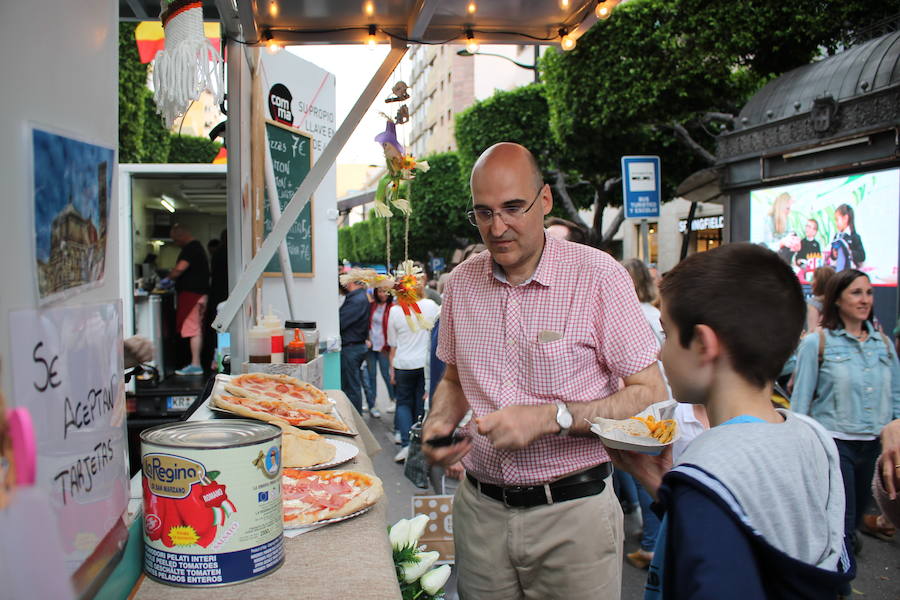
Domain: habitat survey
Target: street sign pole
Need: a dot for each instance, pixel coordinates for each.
(645, 242)
(641, 191)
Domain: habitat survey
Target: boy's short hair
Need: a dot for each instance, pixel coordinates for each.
(748, 296)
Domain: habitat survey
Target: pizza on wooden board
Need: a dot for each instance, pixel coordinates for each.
(280, 387)
(301, 448)
(313, 496)
(275, 411)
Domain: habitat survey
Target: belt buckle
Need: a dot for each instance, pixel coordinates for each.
(516, 489)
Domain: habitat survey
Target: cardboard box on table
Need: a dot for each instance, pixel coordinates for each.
(311, 372)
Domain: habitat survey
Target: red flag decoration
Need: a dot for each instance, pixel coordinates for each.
(151, 38)
(221, 158)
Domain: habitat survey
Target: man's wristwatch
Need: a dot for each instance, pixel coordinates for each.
(563, 418)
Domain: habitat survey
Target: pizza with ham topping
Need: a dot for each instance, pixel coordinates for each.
(313, 496)
(276, 411)
(286, 389)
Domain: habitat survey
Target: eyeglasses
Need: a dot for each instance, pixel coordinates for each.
(508, 214)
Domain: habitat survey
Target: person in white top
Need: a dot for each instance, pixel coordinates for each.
(409, 356)
(691, 418)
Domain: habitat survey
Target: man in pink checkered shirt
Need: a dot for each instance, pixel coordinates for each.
(538, 335)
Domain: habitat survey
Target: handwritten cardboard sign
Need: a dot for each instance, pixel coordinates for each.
(66, 368)
(438, 534)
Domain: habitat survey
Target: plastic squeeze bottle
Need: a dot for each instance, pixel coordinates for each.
(296, 349)
(275, 326)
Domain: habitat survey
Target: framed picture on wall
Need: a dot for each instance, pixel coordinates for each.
(72, 195)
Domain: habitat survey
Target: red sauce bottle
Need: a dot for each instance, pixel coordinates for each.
(295, 351)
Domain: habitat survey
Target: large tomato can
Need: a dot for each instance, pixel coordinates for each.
(212, 501)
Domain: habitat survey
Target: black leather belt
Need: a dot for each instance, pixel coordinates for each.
(586, 483)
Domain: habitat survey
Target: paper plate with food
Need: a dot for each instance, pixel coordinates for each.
(648, 432)
(315, 497)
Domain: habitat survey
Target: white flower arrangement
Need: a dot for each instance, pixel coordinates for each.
(418, 581)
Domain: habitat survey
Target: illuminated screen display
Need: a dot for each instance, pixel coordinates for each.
(843, 222)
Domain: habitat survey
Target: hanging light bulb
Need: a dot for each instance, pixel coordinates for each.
(272, 47)
(566, 41)
(273, 8)
(604, 9)
(372, 41)
(472, 7)
(471, 43)
(564, 4)
(369, 8)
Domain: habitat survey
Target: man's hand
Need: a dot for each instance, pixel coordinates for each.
(137, 350)
(445, 456)
(890, 458)
(647, 469)
(515, 427)
(455, 471)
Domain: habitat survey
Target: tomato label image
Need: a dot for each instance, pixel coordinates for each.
(204, 523)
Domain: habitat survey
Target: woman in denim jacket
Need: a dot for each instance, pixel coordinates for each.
(853, 390)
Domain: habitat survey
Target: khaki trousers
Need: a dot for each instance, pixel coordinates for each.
(565, 551)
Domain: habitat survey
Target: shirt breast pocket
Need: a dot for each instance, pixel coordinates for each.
(550, 368)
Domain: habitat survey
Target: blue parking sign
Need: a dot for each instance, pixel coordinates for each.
(438, 265)
(641, 185)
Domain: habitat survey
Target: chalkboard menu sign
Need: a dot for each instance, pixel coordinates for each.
(291, 152)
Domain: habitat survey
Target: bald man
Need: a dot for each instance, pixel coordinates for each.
(537, 335)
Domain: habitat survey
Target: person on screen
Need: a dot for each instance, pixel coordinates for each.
(847, 251)
(809, 246)
(777, 236)
(777, 221)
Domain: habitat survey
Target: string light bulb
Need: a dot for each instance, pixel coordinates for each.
(272, 47)
(564, 4)
(471, 44)
(604, 9)
(369, 8)
(472, 7)
(273, 8)
(566, 41)
(371, 41)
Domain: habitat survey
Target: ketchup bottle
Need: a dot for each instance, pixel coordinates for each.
(295, 351)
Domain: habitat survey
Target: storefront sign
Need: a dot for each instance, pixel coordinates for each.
(701, 223)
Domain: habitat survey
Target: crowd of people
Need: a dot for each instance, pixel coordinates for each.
(541, 333)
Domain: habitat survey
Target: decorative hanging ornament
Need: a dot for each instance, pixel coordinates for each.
(405, 284)
(188, 65)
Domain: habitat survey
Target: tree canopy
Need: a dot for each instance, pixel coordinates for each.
(437, 225)
(665, 78)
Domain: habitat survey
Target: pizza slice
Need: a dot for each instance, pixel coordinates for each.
(275, 411)
(280, 387)
(313, 496)
(301, 448)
